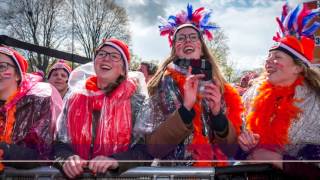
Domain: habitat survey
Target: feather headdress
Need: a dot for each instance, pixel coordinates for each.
(198, 19)
(296, 30)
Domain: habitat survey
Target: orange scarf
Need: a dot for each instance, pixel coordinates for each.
(6, 133)
(272, 114)
(201, 146)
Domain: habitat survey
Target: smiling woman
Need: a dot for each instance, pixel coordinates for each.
(99, 113)
(286, 100)
(28, 112)
(191, 109)
(58, 76)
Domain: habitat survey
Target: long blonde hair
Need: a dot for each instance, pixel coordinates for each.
(216, 73)
(311, 75)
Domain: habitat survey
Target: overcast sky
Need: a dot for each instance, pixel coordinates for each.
(248, 24)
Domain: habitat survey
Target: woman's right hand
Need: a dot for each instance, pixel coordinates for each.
(191, 89)
(74, 166)
(248, 140)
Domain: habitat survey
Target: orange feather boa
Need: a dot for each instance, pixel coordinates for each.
(272, 114)
(201, 147)
(6, 132)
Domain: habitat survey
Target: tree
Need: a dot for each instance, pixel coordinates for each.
(36, 22)
(134, 62)
(220, 51)
(98, 19)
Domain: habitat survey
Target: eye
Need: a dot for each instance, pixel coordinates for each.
(193, 37)
(2, 67)
(181, 38)
(115, 56)
(101, 54)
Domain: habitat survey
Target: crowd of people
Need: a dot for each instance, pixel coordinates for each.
(100, 113)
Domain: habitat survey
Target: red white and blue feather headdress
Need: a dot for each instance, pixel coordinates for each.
(297, 22)
(296, 30)
(198, 19)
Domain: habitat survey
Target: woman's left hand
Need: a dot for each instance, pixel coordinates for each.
(101, 164)
(261, 154)
(212, 96)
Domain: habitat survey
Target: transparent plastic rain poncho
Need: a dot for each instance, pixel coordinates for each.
(166, 100)
(201, 143)
(95, 123)
(38, 105)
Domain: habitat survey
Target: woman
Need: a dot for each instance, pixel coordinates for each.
(99, 112)
(191, 108)
(58, 76)
(28, 111)
(282, 113)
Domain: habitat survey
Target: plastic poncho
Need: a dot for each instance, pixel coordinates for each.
(199, 145)
(30, 116)
(95, 123)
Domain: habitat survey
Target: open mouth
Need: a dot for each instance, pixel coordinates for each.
(271, 69)
(188, 49)
(105, 67)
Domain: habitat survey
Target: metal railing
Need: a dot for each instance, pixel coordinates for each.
(231, 172)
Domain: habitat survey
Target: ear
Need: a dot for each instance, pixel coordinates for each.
(298, 69)
(18, 78)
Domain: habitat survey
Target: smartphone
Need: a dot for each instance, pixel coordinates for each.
(207, 73)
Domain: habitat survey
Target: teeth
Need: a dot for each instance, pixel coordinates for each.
(105, 67)
(188, 49)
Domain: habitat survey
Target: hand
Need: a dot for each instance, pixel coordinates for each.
(191, 89)
(248, 140)
(212, 95)
(101, 164)
(74, 166)
(273, 157)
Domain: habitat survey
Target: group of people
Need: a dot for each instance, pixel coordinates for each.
(189, 113)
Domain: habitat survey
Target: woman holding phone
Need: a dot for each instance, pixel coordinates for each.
(191, 107)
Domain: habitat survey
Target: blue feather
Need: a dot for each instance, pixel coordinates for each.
(308, 18)
(206, 18)
(311, 30)
(189, 11)
(173, 24)
(293, 17)
(209, 27)
(174, 18)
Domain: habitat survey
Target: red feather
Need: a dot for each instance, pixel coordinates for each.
(197, 15)
(165, 32)
(208, 34)
(302, 14)
(280, 24)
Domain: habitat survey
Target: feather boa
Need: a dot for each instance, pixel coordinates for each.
(8, 124)
(201, 148)
(272, 114)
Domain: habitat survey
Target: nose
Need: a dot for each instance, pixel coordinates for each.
(270, 59)
(59, 77)
(188, 39)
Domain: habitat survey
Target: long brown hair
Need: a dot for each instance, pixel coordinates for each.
(216, 73)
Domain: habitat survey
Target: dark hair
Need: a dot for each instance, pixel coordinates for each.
(57, 69)
(151, 67)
